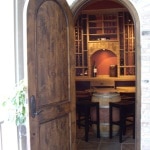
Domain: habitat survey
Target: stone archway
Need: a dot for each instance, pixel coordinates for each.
(76, 7)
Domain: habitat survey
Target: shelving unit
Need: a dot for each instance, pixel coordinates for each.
(113, 30)
(103, 27)
(127, 46)
(81, 46)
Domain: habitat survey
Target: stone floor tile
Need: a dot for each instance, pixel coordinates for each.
(110, 146)
(128, 146)
(88, 145)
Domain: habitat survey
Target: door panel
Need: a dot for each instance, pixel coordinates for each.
(52, 61)
(52, 135)
(50, 54)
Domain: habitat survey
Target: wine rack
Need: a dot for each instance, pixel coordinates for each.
(81, 46)
(103, 28)
(127, 44)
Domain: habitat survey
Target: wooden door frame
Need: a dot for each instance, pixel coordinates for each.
(76, 7)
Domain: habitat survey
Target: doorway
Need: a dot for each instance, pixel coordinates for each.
(78, 6)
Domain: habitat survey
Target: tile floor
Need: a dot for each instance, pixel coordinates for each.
(104, 143)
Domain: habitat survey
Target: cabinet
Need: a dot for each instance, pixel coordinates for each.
(101, 30)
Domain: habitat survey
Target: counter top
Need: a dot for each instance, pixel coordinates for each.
(99, 78)
(111, 90)
(126, 89)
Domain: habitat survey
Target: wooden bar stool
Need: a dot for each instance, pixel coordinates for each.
(126, 117)
(84, 116)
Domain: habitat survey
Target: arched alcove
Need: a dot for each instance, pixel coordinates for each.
(103, 60)
(79, 5)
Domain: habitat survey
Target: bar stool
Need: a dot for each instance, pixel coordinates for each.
(84, 116)
(126, 112)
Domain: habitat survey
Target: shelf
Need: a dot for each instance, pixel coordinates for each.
(102, 26)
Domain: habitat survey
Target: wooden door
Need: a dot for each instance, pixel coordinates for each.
(50, 57)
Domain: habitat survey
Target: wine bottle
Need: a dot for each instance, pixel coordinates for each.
(94, 71)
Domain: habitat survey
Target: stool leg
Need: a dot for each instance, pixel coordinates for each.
(124, 123)
(97, 115)
(86, 123)
(110, 121)
(134, 126)
(121, 125)
(79, 118)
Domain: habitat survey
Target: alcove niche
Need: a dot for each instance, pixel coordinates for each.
(104, 60)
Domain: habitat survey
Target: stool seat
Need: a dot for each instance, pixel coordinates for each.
(84, 116)
(126, 109)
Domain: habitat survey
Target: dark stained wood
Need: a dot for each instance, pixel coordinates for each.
(50, 55)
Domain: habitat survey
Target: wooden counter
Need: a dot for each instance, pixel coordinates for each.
(111, 90)
(105, 81)
(99, 78)
(126, 89)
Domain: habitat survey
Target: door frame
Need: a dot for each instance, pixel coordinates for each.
(76, 7)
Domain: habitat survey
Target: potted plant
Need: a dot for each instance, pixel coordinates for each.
(17, 108)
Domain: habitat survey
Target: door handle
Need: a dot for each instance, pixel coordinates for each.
(34, 112)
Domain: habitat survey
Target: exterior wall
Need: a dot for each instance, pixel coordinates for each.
(140, 11)
(143, 8)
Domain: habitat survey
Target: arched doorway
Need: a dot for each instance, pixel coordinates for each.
(79, 5)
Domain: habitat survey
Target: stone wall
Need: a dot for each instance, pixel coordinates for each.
(143, 8)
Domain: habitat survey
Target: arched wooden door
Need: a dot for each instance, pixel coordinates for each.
(50, 57)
